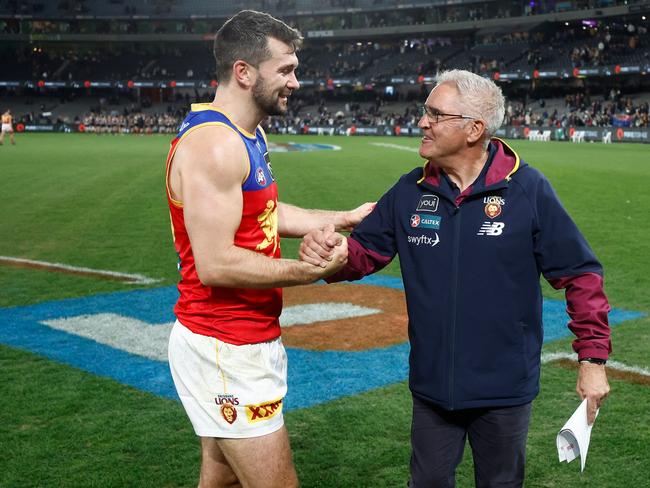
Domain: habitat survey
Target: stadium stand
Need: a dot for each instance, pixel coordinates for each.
(578, 63)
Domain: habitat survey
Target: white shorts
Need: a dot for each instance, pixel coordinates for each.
(227, 390)
(7, 128)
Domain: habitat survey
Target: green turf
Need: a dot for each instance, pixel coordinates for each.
(98, 201)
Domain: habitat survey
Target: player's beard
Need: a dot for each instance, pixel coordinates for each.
(266, 99)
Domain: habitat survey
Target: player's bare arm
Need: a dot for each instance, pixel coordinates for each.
(296, 222)
(207, 178)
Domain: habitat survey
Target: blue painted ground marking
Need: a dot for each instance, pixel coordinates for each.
(314, 376)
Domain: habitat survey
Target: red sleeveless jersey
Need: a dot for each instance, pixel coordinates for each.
(234, 315)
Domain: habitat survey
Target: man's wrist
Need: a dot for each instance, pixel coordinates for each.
(592, 360)
(344, 221)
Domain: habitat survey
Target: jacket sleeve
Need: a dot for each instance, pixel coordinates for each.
(566, 261)
(371, 246)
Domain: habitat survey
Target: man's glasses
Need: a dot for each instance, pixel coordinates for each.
(434, 116)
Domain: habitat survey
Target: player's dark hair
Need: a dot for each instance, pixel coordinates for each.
(245, 36)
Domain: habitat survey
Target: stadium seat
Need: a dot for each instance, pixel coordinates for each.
(533, 135)
(578, 136)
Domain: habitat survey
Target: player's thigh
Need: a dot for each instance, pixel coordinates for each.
(215, 470)
(262, 462)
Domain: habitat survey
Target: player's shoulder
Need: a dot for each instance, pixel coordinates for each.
(212, 141)
(212, 150)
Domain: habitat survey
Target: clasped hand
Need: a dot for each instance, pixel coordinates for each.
(324, 248)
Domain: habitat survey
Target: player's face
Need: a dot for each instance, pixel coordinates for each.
(446, 136)
(276, 79)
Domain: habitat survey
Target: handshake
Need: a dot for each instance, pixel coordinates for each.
(326, 249)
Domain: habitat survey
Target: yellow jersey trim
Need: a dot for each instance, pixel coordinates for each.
(178, 203)
(266, 140)
(200, 107)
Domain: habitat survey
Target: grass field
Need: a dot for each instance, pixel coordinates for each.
(98, 202)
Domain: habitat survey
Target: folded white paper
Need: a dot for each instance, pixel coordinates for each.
(573, 439)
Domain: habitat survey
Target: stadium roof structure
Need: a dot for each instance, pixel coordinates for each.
(28, 11)
(185, 9)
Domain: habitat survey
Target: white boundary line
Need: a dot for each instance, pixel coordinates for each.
(554, 356)
(132, 279)
(395, 146)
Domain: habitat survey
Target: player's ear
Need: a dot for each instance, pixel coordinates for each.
(242, 72)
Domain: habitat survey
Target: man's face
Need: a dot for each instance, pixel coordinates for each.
(276, 78)
(447, 136)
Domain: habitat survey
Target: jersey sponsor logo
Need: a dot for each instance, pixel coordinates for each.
(425, 221)
(229, 412)
(492, 210)
(428, 203)
(491, 229)
(424, 240)
(259, 177)
(264, 411)
(267, 158)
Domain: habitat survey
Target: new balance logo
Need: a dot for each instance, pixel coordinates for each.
(491, 229)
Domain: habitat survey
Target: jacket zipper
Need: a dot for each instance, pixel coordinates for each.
(454, 297)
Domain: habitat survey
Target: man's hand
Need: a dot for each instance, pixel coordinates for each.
(592, 385)
(318, 246)
(339, 258)
(353, 217)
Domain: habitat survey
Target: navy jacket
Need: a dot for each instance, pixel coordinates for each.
(471, 266)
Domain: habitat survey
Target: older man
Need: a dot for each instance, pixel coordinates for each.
(474, 229)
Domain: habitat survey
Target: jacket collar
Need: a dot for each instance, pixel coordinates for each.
(505, 163)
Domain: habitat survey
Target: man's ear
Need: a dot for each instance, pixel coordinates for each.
(476, 131)
(243, 73)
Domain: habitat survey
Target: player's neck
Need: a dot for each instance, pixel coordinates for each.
(239, 107)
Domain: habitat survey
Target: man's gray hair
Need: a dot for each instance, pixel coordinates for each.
(479, 97)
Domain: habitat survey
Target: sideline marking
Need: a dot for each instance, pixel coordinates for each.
(548, 357)
(132, 279)
(300, 147)
(395, 146)
(315, 377)
(131, 335)
(150, 340)
(320, 312)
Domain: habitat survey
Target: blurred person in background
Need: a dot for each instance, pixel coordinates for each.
(8, 127)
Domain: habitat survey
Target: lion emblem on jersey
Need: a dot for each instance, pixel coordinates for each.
(268, 220)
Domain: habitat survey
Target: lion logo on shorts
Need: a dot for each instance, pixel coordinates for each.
(229, 412)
